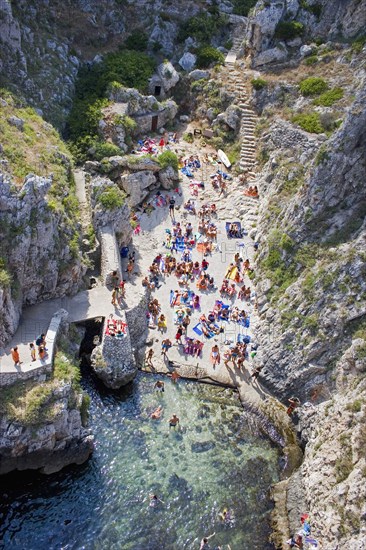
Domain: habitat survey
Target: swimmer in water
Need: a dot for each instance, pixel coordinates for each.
(159, 386)
(174, 421)
(156, 415)
(154, 501)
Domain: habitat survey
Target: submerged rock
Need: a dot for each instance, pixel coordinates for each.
(202, 446)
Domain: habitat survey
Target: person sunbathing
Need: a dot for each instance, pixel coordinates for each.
(211, 317)
(231, 290)
(241, 294)
(235, 314)
(229, 271)
(232, 230)
(202, 283)
(224, 314)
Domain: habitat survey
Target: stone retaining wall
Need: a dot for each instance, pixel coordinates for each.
(38, 369)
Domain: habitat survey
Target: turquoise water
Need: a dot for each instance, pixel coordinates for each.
(211, 462)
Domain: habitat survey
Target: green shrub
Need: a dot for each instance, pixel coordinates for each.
(242, 7)
(202, 27)
(208, 55)
(104, 150)
(128, 123)
(322, 156)
(329, 98)
(126, 67)
(313, 86)
(310, 122)
(315, 9)
(137, 41)
(287, 30)
(311, 60)
(168, 158)
(188, 137)
(355, 407)
(112, 197)
(286, 243)
(358, 44)
(5, 278)
(259, 83)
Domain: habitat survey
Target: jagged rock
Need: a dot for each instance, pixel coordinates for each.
(52, 444)
(270, 56)
(17, 122)
(188, 61)
(168, 178)
(92, 166)
(168, 75)
(198, 74)
(231, 117)
(113, 362)
(306, 50)
(137, 186)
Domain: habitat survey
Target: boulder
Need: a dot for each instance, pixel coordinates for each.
(270, 56)
(168, 178)
(198, 74)
(231, 117)
(17, 122)
(306, 50)
(187, 61)
(168, 75)
(137, 186)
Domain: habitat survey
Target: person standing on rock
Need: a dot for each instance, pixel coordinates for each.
(115, 296)
(294, 402)
(175, 376)
(149, 357)
(171, 207)
(215, 355)
(165, 346)
(32, 351)
(15, 356)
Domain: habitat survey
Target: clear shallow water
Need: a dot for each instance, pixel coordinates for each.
(211, 462)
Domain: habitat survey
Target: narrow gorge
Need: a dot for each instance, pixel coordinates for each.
(182, 235)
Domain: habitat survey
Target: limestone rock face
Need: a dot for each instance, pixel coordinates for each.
(113, 362)
(188, 61)
(168, 178)
(231, 117)
(49, 446)
(168, 75)
(134, 163)
(334, 459)
(39, 244)
(117, 217)
(199, 74)
(270, 56)
(137, 186)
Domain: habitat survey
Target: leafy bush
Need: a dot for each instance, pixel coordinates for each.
(313, 86)
(5, 278)
(112, 197)
(315, 9)
(188, 137)
(259, 83)
(311, 60)
(358, 44)
(242, 7)
(287, 30)
(125, 67)
(137, 41)
(207, 55)
(310, 122)
(128, 123)
(202, 27)
(103, 150)
(168, 158)
(329, 98)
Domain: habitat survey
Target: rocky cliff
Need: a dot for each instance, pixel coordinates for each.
(40, 232)
(310, 268)
(43, 422)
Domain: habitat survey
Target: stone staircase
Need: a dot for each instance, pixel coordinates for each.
(238, 88)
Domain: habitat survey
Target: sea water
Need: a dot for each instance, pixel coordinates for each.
(210, 463)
